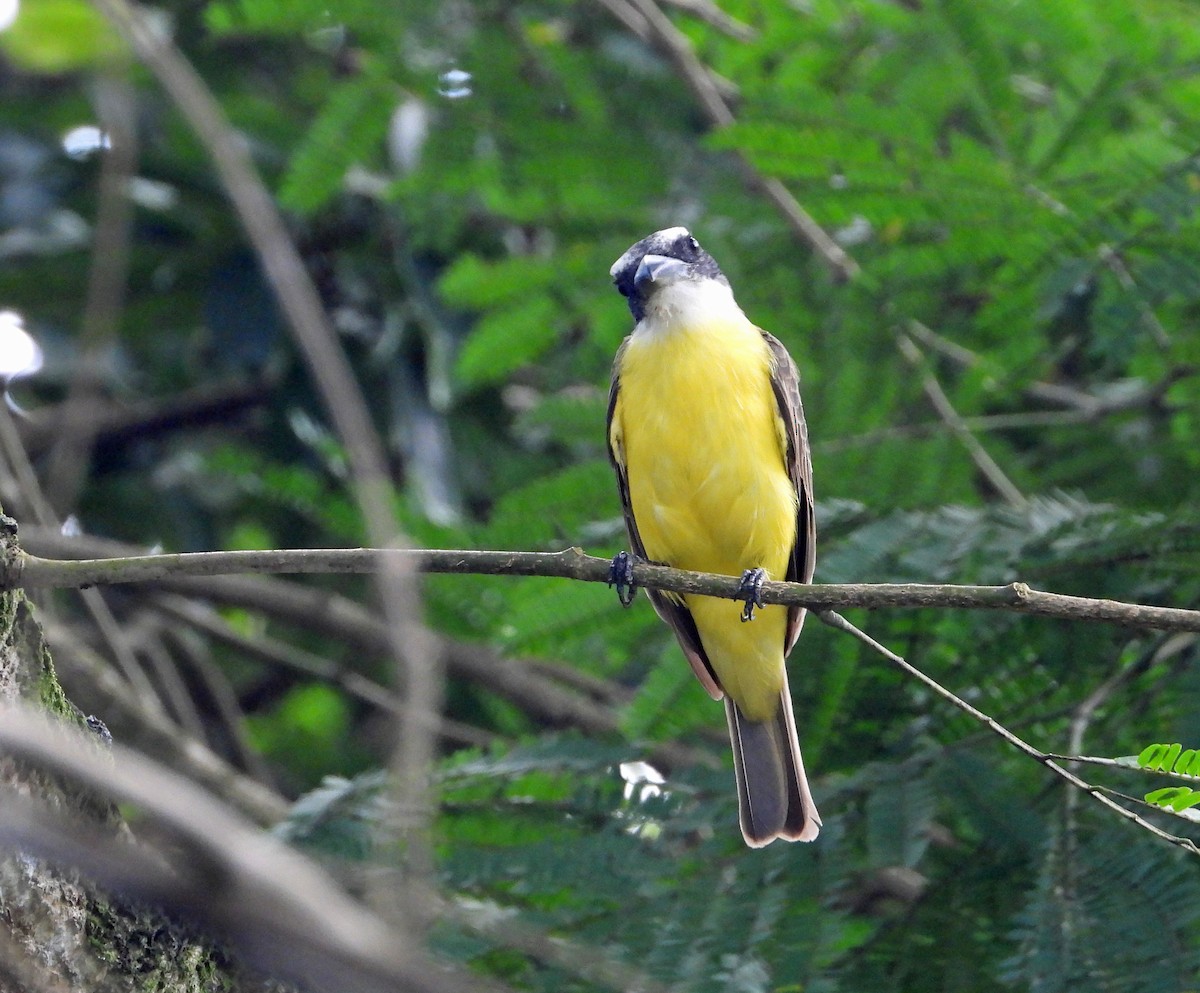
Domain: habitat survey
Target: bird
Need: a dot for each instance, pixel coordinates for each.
(707, 437)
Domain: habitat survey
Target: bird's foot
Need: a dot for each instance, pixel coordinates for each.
(750, 592)
(620, 575)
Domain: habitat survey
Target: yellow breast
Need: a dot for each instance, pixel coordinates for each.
(703, 450)
(698, 425)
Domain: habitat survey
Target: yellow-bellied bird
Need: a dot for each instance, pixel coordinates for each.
(707, 436)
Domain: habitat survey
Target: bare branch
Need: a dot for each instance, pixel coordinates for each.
(279, 910)
(1097, 793)
(156, 734)
(332, 615)
(710, 13)
(991, 471)
(411, 645)
(592, 963)
(1122, 764)
(31, 497)
(70, 458)
(275, 653)
(1083, 406)
(645, 18)
(573, 563)
(117, 423)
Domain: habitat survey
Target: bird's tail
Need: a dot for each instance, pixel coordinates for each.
(773, 796)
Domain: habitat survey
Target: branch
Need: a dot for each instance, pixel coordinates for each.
(279, 910)
(118, 423)
(29, 489)
(986, 465)
(1124, 764)
(332, 615)
(277, 654)
(24, 570)
(1095, 792)
(710, 13)
(413, 648)
(657, 28)
(70, 457)
(1080, 404)
(591, 963)
(155, 734)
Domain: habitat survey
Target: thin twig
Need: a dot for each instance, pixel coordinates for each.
(835, 620)
(1082, 716)
(590, 962)
(277, 909)
(70, 458)
(157, 734)
(275, 653)
(699, 79)
(175, 693)
(413, 647)
(117, 423)
(710, 13)
(224, 710)
(1112, 258)
(1086, 406)
(982, 424)
(14, 456)
(1122, 764)
(988, 466)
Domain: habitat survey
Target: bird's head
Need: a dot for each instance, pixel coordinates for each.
(661, 265)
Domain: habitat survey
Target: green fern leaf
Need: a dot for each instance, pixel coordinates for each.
(1172, 758)
(1176, 798)
(507, 339)
(475, 284)
(1109, 915)
(347, 130)
(669, 702)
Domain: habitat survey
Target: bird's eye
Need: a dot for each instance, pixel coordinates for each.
(693, 244)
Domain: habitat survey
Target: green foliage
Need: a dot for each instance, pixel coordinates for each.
(340, 818)
(58, 36)
(1109, 917)
(1018, 181)
(507, 340)
(1175, 798)
(1175, 760)
(552, 829)
(345, 133)
(1172, 758)
(670, 702)
(309, 729)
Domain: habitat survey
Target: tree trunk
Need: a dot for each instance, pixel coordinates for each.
(57, 932)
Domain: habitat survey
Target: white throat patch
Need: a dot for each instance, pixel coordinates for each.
(690, 303)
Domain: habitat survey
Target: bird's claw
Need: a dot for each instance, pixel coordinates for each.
(620, 575)
(750, 592)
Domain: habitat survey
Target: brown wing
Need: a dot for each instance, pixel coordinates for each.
(670, 609)
(785, 381)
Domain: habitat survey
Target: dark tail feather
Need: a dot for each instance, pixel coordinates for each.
(773, 796)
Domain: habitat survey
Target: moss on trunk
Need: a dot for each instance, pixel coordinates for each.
(56, 931)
